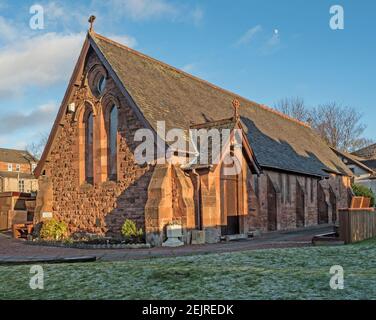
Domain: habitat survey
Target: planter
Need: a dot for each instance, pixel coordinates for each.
(174, 235)
(174, 231)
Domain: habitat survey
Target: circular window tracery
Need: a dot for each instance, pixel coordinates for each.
(97, 80)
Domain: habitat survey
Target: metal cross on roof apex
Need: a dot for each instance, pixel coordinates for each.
(236, 105)
(91, 21)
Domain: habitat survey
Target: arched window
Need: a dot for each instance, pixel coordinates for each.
(101, 84)
(89, 163)
(112, 143)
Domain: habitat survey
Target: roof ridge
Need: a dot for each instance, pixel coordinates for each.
(208, 123)
(283, 115)
(263, 106)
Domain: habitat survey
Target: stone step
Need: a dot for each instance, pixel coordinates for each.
(234, 237)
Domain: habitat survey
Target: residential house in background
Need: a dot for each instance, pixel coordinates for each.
(89, 177)
(367, 156)
(362, 164)
(16, 171)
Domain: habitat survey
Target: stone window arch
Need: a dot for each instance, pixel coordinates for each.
(112, 142)
(111, 106)
(89, 147)
(87, 143)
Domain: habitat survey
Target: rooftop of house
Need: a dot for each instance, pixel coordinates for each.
(370, 163)
(360, 162)
(16, 156)
(162, 92)
(367, 153)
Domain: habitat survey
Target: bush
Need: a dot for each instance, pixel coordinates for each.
(53, 230)
(129, 231)
(363, 191)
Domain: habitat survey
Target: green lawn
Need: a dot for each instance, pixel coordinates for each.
(300, 273)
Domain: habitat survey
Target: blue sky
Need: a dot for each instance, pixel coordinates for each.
(264, 50)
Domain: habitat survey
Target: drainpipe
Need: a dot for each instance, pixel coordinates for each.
(198, 199)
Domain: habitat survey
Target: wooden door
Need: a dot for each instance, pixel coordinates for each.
(230, 208)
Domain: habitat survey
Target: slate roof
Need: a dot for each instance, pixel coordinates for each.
(16, 156)
(162, 92)
(370, 163)
(367, 152)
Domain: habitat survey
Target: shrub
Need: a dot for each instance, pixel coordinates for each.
(363, 191)
(129, 231)
(53, 230)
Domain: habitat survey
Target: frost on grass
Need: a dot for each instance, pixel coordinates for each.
(299, 273)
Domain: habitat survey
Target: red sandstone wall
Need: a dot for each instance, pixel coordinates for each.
(287, 201)
(102, 207)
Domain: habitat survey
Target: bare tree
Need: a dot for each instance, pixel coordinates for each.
(294, 107)
(35, 148)
(339, 126)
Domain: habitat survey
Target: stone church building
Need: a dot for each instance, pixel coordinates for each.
(88, 176)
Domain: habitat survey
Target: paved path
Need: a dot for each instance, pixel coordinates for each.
(18, 250)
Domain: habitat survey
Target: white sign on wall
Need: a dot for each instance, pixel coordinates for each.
(47, 215)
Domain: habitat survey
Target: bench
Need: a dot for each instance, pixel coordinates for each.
(360, 202)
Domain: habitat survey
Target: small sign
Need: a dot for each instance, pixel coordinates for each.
(71, 107)
(46, 215)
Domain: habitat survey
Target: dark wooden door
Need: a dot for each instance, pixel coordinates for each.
(300, 206)
(272, 206)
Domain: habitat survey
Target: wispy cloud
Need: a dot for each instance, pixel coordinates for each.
(41, 60)
(249, 35)
(189, 67)
(42, 116)
(273, 43)
(265, 43)
(143, 9)
(38, 61)
(197, 15)
(124, 39)
(64, 17)
(8, 31)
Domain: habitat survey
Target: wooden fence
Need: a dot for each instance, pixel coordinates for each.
(357, 224)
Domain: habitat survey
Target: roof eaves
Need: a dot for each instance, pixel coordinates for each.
(268, 167)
